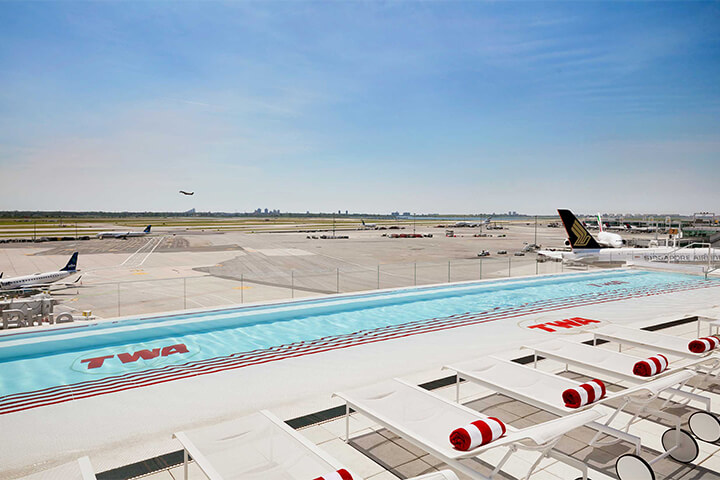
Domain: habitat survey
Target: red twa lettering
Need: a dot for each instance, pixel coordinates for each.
(584, 321)
(145, 354)
(542, 327)
(96, 362)
(179, 348)
(567, 323)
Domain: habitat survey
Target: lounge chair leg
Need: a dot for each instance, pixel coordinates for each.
(347, 423)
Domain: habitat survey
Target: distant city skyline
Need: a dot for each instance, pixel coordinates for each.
(451, 107)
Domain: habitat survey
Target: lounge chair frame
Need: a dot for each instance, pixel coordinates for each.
(634, 396)
(513, 443)
(707, 365)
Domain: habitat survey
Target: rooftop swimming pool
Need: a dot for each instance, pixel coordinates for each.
(81, 360)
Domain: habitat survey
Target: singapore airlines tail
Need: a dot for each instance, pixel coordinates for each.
(578, 235)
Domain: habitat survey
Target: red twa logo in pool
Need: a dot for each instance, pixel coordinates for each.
(564, 324)
(97, 362)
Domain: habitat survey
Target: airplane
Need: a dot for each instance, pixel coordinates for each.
(627, 227)
(43, 279)
(369, 226)
(607, 239)
(473, 224)
(187, 193)
(586, 249)
(124, 234)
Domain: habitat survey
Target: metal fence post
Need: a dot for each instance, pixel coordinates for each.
(537, 266)
(415, 273)
(509, 263)
(448, 271)
(337, 280)
(118, 295)
(185, 293)
(481, 269)
(292, 283)
(378, 271)
(242, 288)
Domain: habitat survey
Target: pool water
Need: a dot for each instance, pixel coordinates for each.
(35, 361)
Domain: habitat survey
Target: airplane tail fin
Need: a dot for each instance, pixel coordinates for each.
(600, 222)
(1, 274)
(363, 222)
(147, 229)
(578, 235)
(72, 264)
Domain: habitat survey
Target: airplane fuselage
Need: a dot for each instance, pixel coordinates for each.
(120, 234)
(611, 240)
(39, 278)
(622, 255)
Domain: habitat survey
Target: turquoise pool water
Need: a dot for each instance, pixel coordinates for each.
(33, 361)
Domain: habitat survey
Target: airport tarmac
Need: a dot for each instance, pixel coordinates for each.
(175, 269)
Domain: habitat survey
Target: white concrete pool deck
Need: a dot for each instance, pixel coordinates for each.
(129, 426)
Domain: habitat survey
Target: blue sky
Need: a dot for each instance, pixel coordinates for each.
(451, 107)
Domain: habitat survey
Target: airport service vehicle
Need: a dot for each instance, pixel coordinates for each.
(519, 254)
(484, 253)
(585, 249)
(502, 252)
(42, 279)
(124, 235)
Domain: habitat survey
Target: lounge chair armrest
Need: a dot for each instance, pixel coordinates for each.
(86, 469)
(663, 383)
(441, 475)
(197, 456)
(545, 432)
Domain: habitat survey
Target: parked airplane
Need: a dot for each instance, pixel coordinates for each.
(368, 226)
(42, 279)
(586, 249)
(607, 239)
(124, 234)
(473, 224)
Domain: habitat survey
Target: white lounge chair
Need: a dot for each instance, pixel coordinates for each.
(81, 469)
(544, 390)
(655, 342)
(426, 420)
(261, 446)
(652, 341)
(704, 424)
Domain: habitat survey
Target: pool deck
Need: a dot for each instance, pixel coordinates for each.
(133, 425)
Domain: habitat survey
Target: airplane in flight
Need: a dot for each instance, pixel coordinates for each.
(368, 226)
(463, 223)
(124, 234)
(586, 249)
(187, 193)
(43, 279)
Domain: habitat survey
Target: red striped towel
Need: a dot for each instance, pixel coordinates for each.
(341, 474)
(652, 366)
(584, 394)
(477, 433)
(704, 344)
